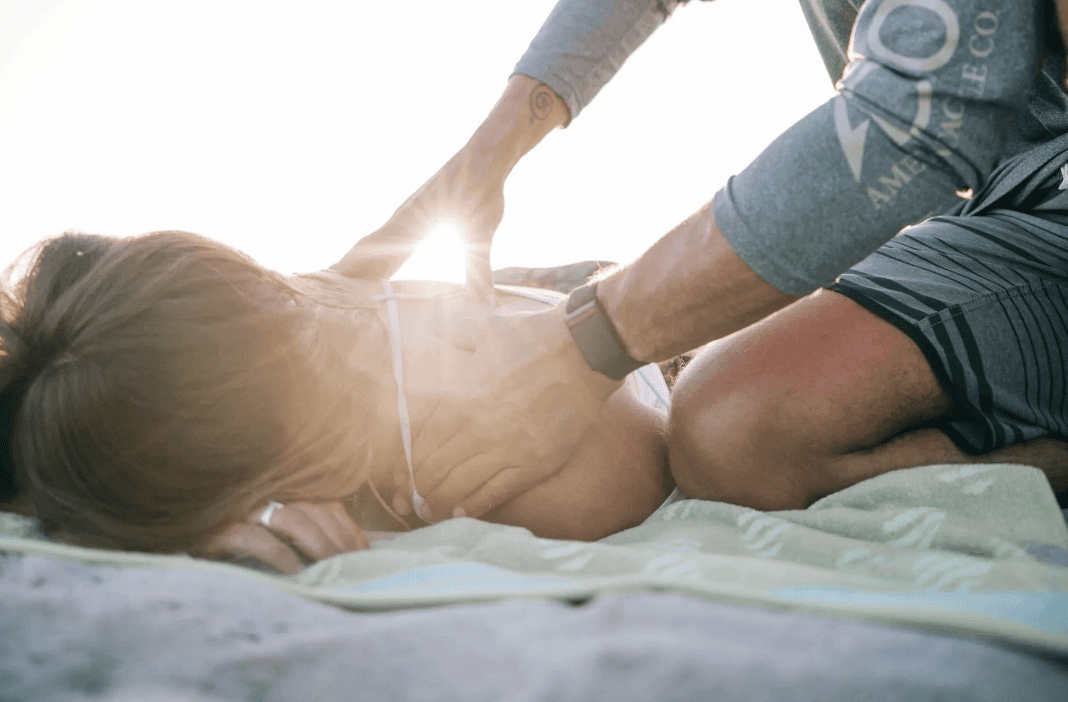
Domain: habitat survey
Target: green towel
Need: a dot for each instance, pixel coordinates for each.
(944, 548)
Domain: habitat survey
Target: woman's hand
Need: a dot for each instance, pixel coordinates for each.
(299, 533)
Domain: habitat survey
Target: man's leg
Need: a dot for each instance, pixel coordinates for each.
(814, 399)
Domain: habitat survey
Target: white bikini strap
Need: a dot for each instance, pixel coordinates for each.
(390, 298)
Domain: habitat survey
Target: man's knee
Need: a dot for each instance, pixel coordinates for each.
(693, 455)
(723, 441)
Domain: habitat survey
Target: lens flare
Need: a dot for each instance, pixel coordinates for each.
(440, 257)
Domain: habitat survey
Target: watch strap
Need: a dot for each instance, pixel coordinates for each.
(596, 336)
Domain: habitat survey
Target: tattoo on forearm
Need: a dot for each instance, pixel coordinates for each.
(541, 102)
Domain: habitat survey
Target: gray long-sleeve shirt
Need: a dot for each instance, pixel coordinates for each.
(932, 96)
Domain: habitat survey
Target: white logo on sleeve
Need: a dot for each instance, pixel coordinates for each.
(853, 138)
(919, 64)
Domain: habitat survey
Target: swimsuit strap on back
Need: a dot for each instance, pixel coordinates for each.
(390, 298)
(545, 296)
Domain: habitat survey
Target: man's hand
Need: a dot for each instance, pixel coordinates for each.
(468, 191)
(299, 533)
(511, 418)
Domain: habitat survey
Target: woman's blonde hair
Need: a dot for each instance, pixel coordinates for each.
(157, 388)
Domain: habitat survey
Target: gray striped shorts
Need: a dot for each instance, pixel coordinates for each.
(986, 299)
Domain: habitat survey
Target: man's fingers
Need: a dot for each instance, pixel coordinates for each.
(455, 499)
(478, 485)
(444, 433)
(454, 448)
(452, 458)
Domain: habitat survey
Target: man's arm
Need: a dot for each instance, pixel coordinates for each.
(581, 45)
(579, 48)
(923, 112)
(931, 100)
(687, 289)
(468, 191)
(512, 422)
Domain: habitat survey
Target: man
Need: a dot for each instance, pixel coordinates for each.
(948, 345)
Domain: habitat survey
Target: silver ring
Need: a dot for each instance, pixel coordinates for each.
(265, 515)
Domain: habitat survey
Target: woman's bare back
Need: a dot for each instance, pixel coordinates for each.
(613, 480)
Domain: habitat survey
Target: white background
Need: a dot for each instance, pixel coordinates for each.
(290, 129)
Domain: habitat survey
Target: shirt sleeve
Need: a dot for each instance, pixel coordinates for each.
(583, 43)
(932, 90)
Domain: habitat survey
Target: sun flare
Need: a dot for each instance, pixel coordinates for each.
(439, 257)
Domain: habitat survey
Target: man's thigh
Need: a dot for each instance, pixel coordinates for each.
(760, 415)
(985, 299)
(824, 368)
(957, 323)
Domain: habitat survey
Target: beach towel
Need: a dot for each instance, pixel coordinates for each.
(978, 550)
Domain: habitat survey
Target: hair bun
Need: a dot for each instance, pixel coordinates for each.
(26, 350)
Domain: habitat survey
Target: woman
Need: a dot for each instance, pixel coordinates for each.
(156, 391)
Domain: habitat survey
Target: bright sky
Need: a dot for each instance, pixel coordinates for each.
(290, 129)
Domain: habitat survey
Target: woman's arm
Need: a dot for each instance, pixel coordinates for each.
(616, 478)
(299, 533)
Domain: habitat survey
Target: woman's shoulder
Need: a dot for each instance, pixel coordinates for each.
(332, 289)
(373, 289)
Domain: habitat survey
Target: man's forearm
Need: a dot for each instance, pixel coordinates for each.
(688, 289)
(524, 114)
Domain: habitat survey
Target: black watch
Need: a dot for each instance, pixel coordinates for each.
(595, 335)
